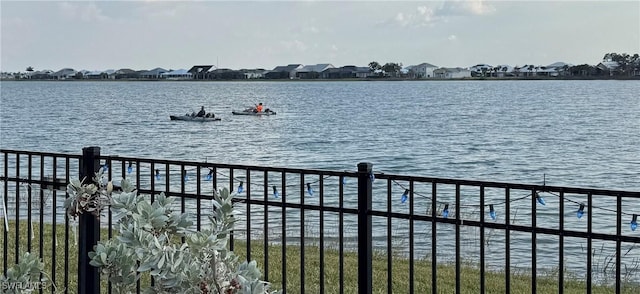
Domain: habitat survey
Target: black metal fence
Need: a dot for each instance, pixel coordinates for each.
(498, 228)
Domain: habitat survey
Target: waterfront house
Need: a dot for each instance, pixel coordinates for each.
(561, 67)
(283, 72)
(546, 71)
(253, 73)
(312, 71)
(199, 72)
(45, 74)
(96, 75)
(452, 73)
(357, 71)
(64, 74)
(179, 74)
(153, 74)
(126, 73)
(225, 74)
(346, 72)
(526, 70)
(421, 71)
(481, 70)
(111, 74)
(502, 71)
(608, 66)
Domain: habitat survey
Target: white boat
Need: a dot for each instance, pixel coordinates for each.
(188, 117)
(250, 111)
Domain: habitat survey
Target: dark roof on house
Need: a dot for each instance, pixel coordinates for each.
(315, 68)
(155, 71)
(200, 68)
(64, 71)
(287, 68)
(125, 71)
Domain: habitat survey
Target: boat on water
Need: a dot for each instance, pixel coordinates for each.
(191, 117)
(250, 111)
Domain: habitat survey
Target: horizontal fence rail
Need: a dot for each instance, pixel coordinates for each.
(417, 228)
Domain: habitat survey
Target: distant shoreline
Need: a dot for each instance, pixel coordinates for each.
(625, 78)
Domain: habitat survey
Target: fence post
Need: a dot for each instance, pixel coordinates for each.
(365, 250)
(89, 227)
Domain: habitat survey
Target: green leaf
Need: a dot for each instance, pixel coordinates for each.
(145, 266)
(161, 262)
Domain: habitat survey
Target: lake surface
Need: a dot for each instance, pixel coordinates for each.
(577, 133)
(569, 133)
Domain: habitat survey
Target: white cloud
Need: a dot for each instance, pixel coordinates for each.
(311, 29)
(478, 7)
(465, 7)
(400, 19)
(452, 38)
(434, 12)
(427, 13)
(295, 45)
(334, 47)
(82, 11)
(422, 16)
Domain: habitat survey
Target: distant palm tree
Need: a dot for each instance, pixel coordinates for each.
(374, 65)
(495, 71)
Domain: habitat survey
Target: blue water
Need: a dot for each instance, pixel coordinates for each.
(569, 133)
(574, 133)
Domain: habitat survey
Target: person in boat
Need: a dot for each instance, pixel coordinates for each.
(201, 113)
(258, 108)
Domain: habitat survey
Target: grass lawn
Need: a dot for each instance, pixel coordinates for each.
(469, 278)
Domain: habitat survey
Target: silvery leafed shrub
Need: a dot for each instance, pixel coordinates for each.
(148, 240)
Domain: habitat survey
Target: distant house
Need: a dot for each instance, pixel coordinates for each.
(346, 72)
(360, 72)
(111, 74)
(421, 71)
(46, 74)
(502, 71)
(283, 72)
(199, 72)
(526, 70)
(7, 76)
(225, 74)
(179, 74)
(561, 67)
(253, 73)
(96, 75)
(530, 70)
(560, 64)
(452, 73)
(481, 70)
(153, 74)
(65, 73)
(608, 66)
(546, 71)
(312, 71)
(126, 73)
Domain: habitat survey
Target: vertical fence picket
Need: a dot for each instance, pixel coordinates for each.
(365, 251)
(89, 228)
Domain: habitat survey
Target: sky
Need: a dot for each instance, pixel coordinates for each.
(142, 35)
